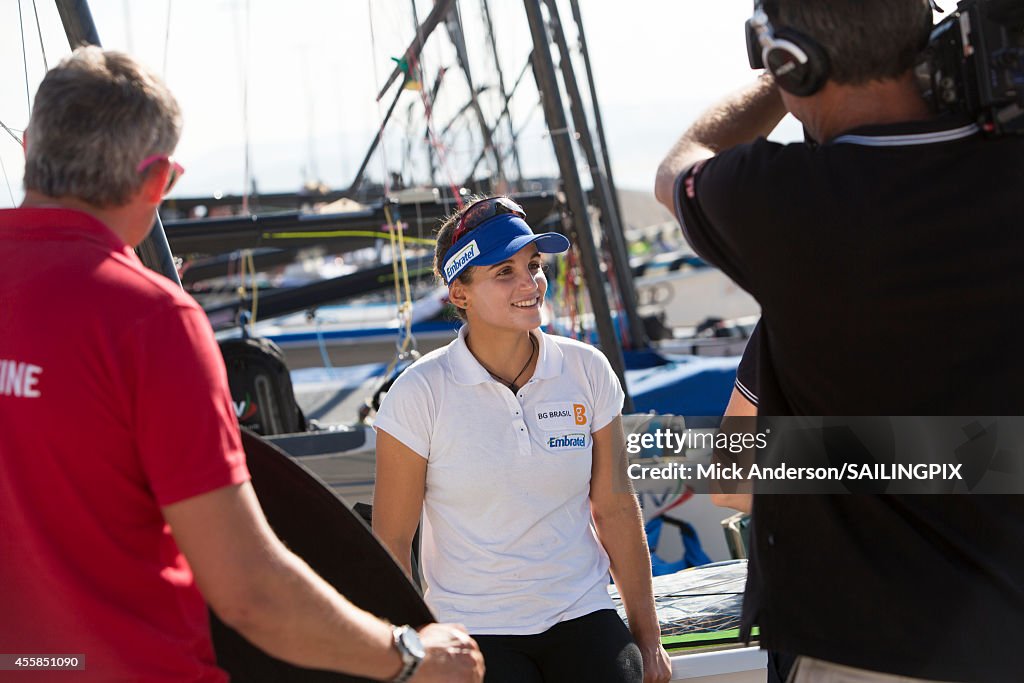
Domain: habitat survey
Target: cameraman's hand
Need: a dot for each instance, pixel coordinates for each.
(452, 656)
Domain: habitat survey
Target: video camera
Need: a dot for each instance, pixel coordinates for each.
(974, 65)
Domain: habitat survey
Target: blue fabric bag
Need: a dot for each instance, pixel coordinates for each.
(693, 553)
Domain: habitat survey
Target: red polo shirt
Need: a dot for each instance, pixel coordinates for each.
(113, 403)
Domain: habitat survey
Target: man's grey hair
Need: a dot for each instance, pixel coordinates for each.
(96, 116)
(865, 40)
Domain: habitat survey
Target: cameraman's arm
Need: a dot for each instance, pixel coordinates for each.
(738, 407)
(743, 117)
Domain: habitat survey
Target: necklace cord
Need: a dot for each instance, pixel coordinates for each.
(512, 385)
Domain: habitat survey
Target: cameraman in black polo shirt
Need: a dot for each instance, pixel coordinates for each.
(888, 259)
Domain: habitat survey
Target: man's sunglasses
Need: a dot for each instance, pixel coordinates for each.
(177, 170)
(483, 211)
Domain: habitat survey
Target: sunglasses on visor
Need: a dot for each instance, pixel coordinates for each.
(483, 211)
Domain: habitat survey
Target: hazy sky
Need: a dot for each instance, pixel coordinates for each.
(311, 70)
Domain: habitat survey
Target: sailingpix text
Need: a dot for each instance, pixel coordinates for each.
(715, 471)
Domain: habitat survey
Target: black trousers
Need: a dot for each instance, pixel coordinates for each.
(596, 648)
(780, 664)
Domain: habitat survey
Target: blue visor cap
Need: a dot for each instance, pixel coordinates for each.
(496, 240)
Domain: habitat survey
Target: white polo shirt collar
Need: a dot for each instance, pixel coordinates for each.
(466, 369)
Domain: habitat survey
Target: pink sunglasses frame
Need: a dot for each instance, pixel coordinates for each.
(177, 170)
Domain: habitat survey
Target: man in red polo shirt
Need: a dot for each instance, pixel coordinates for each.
(123, 485)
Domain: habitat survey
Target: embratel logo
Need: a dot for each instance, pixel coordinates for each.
(245, 409)
(461, 258)
(579, 411)
(567, 441)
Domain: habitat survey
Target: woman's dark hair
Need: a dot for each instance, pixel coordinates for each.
(444, 243)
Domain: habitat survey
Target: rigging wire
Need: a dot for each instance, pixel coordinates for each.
(243, 60)
(457, 35)
(400, 268)
(505, 114)
(619, 306)
(167, 38)
(569, 286)
(10, 131)
(419, 235)
(503, 91)
(426, 98)
(311, 173)
(128, 26)
(245, 114)
(406, 343)
(24, 60)
(243, 42)
(248, 267)
(421, 64)
(7, 180)
(410, 66)
(378, 234)
(525, 123)
(39, 30)
(385, 181)
(435, 148)
(439, 147)
(428, 112)
(397, 246)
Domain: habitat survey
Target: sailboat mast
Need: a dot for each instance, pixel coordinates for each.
(154, 252)
(505, 94)
(554, 112)
(428, 101)
(78, 23)
(602, 191)
(578, 18)
(360, 174)
(410, 57)
(412, 53)
(512, 137)
(455, 33)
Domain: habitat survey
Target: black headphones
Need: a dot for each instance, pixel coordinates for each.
(797, 62)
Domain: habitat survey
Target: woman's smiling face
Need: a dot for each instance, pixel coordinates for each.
(509, 294)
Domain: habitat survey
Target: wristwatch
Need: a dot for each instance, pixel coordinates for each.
(409, 646)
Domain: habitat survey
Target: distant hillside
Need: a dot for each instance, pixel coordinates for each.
(641, 210)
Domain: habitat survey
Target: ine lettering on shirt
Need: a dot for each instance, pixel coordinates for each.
(19, 379)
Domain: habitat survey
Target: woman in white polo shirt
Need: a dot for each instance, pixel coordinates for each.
(507, 442)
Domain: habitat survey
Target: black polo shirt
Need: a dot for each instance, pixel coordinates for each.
(746, 371)
(889, 265)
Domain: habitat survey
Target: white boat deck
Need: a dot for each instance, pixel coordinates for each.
(735, 665)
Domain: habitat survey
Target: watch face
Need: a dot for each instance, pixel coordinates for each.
(411, 641)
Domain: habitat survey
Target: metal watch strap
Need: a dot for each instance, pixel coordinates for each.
(410, 662)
